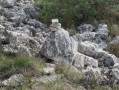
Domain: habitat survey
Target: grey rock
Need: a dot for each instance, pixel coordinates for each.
(7, 3)
(48, 70)
(103, 80)
(35, 23)
(2, 27)
(102, 31)
(110, 60)
(91, 75)
(14, 80)
(59, 46)
(55, 26)
(50, 65)
(81, 60)
(116, 65)
(32, 11)
(85, 27)
(90, 48)
(113, 75)
(46, 79)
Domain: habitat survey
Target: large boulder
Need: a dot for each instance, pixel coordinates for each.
(59, 46)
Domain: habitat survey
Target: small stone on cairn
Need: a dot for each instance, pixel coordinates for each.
(55, 26)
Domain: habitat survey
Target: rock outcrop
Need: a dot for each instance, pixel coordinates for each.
(59, 45)
(20, 29)
(91, 42)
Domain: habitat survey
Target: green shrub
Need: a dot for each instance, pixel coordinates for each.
(74, 12)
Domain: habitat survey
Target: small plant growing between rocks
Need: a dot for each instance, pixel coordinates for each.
(71, 31)
(69, 72)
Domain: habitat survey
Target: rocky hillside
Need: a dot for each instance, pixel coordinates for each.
(51, 59)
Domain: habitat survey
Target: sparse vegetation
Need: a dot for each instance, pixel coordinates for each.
(19, 64)
(74, 77)
(79, 11)
(114, 30)
(73, 13)
(113, 48)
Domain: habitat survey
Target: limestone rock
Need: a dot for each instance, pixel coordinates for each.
(92, 74)
(47, 79)
(113, 75)
(49, 70)
(81, 60)
(103, 80)
(2, 27)
(90, 48)
(50, 65)
(14, 80)
(59, 46)
(85, 27)
(32, 11)
(102, 31)
(7, 3)
(55, 26)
